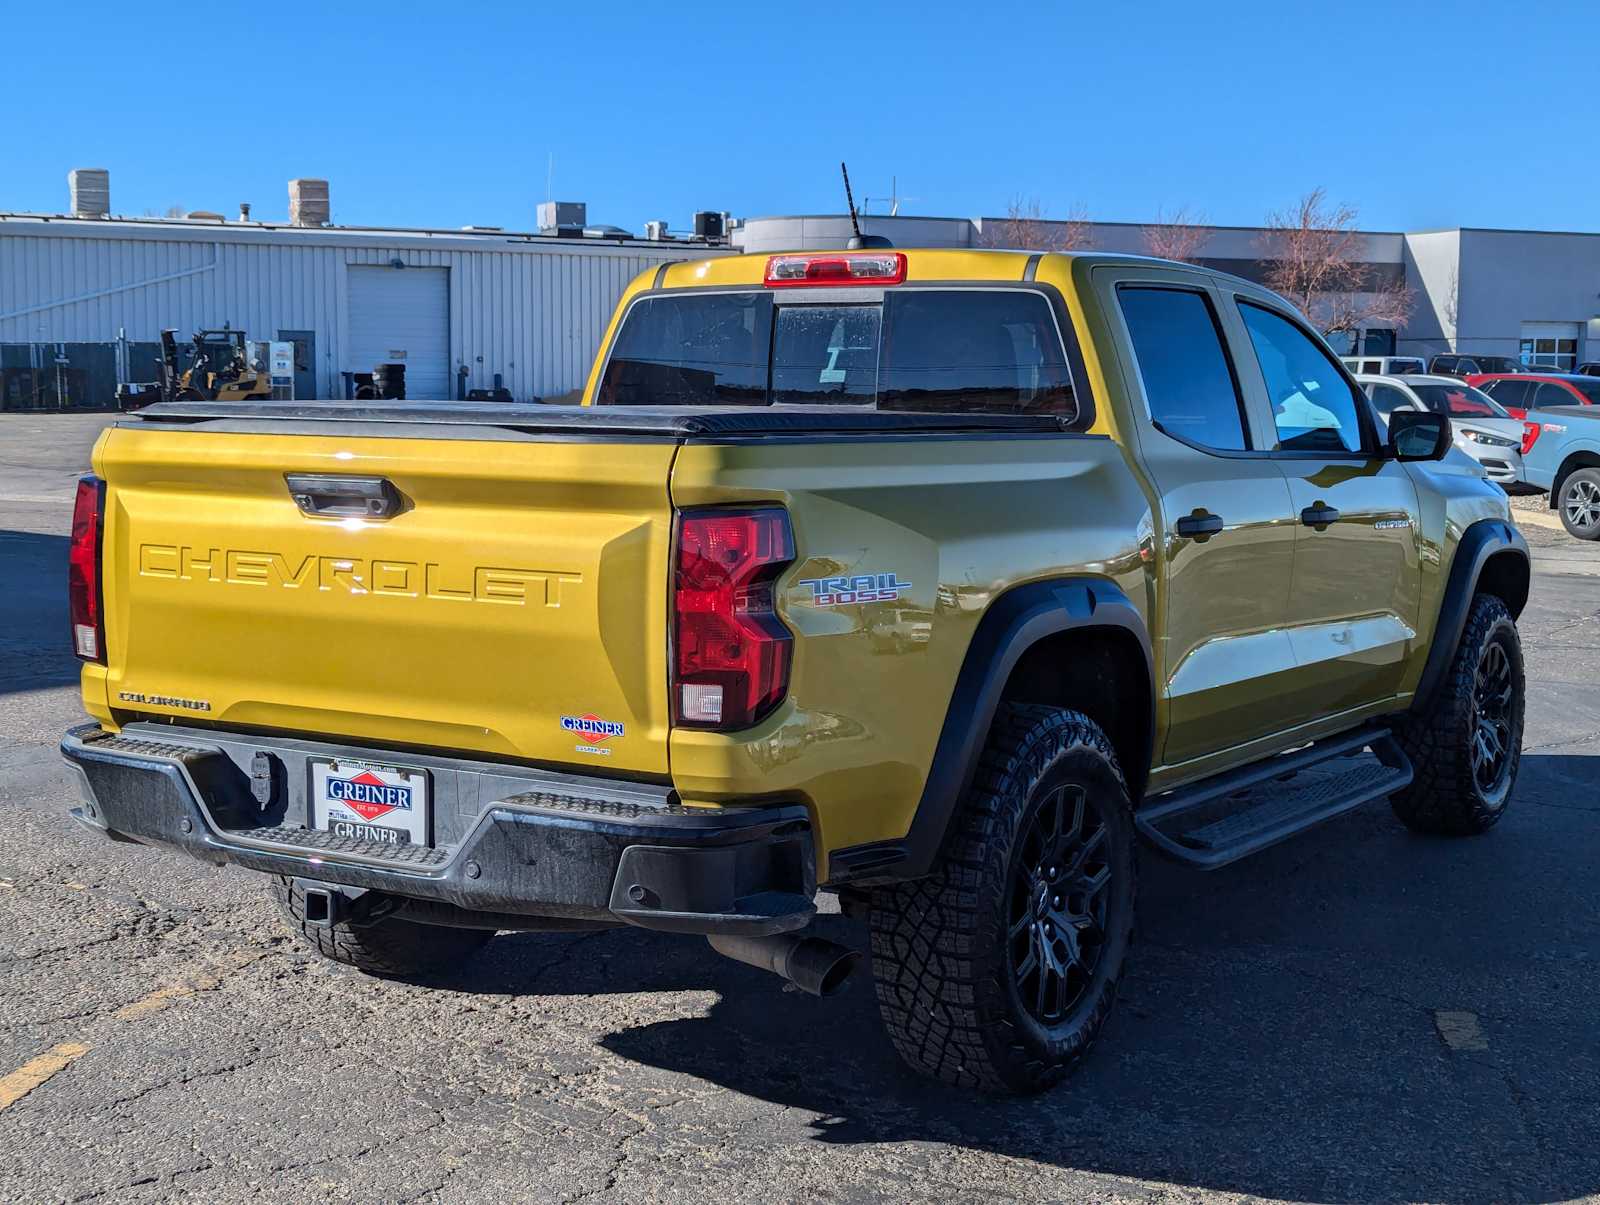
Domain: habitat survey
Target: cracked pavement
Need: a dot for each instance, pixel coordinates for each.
(1283, 1032)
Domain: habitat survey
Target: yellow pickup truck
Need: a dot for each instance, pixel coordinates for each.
(936, 579)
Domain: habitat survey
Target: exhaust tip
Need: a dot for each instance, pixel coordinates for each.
(821, 967)
(815, 965)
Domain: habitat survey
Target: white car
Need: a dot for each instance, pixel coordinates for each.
(1483, 428)
(1385, 366)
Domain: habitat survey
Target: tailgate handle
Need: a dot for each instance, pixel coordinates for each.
(336, 497)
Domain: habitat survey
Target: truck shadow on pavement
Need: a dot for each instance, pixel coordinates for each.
(35, 652)
(1277, 1034)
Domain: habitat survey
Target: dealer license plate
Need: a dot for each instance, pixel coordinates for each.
(370, 801)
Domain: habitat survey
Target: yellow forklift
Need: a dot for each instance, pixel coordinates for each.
(220, 369)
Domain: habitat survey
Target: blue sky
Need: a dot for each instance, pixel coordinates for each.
(1420, 115)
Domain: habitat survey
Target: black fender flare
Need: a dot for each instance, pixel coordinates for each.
(1481, 540)
(1012, 624)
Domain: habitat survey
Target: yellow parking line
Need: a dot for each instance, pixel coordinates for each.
(153, 1003)
(37, 1071)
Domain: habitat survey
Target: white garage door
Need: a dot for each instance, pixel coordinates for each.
(402, 316)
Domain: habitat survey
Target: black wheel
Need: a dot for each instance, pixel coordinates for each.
(998, 970)
(1466, 747)
(1579, 504)
(389, 946)
(191, 395)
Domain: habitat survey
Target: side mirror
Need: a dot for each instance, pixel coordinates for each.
(1419, 435)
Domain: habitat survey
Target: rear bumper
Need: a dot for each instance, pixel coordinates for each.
(542, 845)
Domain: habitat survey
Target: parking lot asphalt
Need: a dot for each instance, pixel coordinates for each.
(1358, 1015)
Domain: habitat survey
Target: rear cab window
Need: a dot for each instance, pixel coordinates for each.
(994, 350)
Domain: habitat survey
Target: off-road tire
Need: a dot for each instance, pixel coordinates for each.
(942, 946)
(1445, 795)
(1577, 503)
(389, 947)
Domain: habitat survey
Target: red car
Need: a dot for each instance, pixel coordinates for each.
(1523, 391)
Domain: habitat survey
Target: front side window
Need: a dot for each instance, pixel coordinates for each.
(1509, 392)
(1313, 405)
(1188, 380)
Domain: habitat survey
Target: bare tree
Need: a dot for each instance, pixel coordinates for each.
(1452, 307)
(1180, 237)
(1026, 227)
(1313, 256)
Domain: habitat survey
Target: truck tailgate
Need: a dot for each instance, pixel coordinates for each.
(516, 605)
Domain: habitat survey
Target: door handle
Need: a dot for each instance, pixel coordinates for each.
(1319, 516)
(1199, 526)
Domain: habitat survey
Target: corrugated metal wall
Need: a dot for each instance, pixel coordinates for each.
(533, 311)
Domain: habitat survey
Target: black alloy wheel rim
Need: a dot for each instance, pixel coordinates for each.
(1056, 912)
(1492, 707)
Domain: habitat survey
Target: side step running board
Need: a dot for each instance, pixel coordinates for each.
(1244, 811)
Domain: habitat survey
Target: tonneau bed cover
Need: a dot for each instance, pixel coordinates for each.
(668, 422)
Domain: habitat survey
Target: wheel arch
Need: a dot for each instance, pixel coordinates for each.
(1070, 642)
(1492, 557)
(1583, 458)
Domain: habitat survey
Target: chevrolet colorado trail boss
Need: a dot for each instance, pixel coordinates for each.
(935, 579)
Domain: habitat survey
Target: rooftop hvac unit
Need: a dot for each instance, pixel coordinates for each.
(708, 224)
(90, 189)
(562, 217)
(308, 203)
(656, 231)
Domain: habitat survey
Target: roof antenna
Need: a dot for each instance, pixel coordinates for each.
(858, 241)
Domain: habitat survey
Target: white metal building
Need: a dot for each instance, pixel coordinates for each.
(528, 308)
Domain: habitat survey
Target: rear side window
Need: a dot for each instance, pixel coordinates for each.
(1386, 399)
(708, 349)
(1188, 380)
(1551, 394)
(1313, 404)
(945, 350)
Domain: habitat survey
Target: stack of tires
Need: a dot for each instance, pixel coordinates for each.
(390, 381)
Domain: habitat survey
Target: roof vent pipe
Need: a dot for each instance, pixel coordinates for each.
(308, 203)
(244, 211)
(90, 188)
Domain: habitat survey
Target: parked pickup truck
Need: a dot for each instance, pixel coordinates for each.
(934, 579)
(1564, 457)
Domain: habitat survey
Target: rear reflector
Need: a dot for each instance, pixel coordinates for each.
(836, 268)
(730, 651)
(84, 598)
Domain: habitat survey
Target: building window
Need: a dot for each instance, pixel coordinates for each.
(1377, 342)
(1550, 345)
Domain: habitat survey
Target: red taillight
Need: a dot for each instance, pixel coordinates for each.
(1530, 436)
(83, 571)
(730, 652)
(836, 268)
